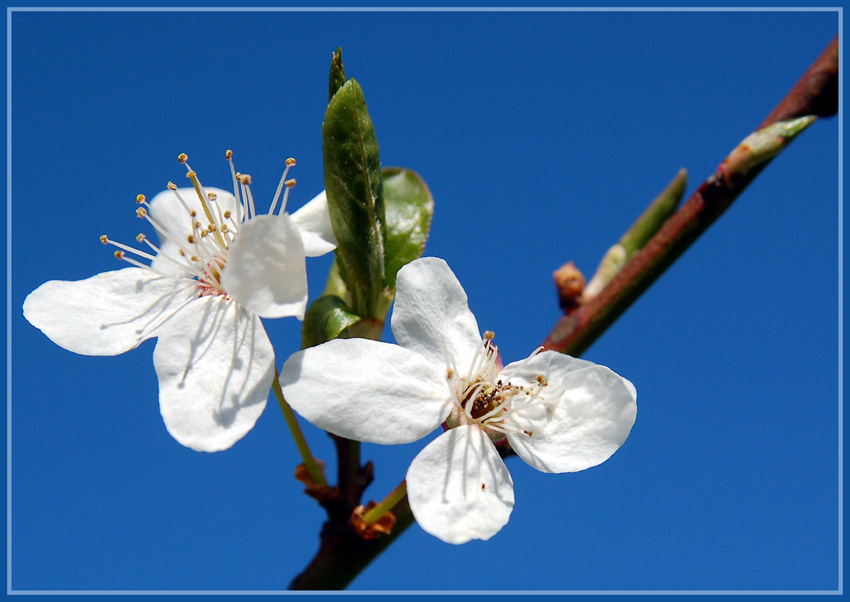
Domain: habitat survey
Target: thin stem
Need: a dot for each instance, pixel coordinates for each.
(372, 516)
(313, 468)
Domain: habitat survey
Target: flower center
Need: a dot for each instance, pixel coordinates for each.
(485, 399)
(197, 246)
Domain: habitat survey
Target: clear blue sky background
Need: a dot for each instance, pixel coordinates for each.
(541, 136)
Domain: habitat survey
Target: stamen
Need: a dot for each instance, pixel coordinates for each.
(239, 206)
(245, 182)
(283, 182)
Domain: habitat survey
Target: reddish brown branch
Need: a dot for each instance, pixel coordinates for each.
(815, 94)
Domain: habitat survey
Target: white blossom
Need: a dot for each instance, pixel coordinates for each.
(219, 268)
(558, 413)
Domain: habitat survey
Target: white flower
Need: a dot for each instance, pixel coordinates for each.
(559, 414)
(220, 267)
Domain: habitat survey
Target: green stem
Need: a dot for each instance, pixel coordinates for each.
(374, 515)
(644, 227)
(313, 468)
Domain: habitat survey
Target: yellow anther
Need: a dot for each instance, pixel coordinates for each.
(489, 335)
(140, 199)
(227, 214)
(212, 196)
(141, 212)
(191, 174)
(119, 254)
(103, 239)
(541, 380)
(245, 178)
(140, 238)
(212, 228)
(228, 154)
(171, 186)
(196, 224)
(204, 233)
(224, 228)
(190, 239)
(290, 183)
(182, 157)
(290, 162)
(194, 258)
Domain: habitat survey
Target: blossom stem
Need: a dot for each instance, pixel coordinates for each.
(372, 516)
(313, 468)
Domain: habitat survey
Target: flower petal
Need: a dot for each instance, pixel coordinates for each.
(459, 488)
(167, 209)
(314, 222)
(215, 367)
(266, 271)
(169, 212)
(431, 314)
(587, 414)
(367, 390)
(107, 314)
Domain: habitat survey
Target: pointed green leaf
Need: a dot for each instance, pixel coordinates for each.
(355, 199)
(325, 319)
(409, 207)
(337, 77)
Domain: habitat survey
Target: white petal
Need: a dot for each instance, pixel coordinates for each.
(367, 390)
(107, 314)
(314, 221)
(592, 412)
(431, 314)
(215, 368)
(167, 210)
(459, 488)
(266, 272)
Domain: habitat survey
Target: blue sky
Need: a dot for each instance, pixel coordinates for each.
(541, 135)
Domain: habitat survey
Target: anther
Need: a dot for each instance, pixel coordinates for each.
(227, 214)
(171, 186)
(182, 157)
(141, 212)
(191, 174)
(190, 239)
(290, 183)
(212, 196)
(529, 433)
(119, 254)
(245, 178)
(290, 162)
(140, 199)
(140, 238)
(104, 239)
(489, 335)
(228, 154)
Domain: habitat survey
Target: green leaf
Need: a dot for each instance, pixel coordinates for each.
(337, 77)
(325, 319)
(355, 198)
(409, 206)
